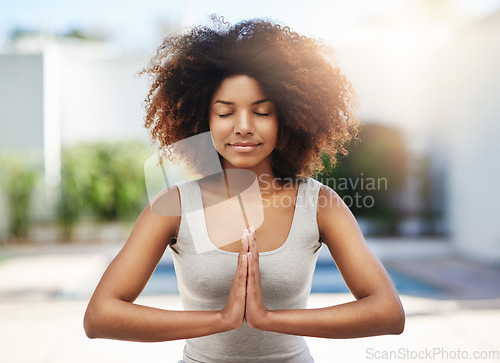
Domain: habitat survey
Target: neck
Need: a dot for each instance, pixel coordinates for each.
(268, 182)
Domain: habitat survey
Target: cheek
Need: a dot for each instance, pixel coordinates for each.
(217, 134)
(274, 130)
(214, 128)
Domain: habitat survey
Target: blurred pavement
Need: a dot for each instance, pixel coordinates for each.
(44, 291)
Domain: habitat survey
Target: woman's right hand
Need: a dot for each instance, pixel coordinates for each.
(233, 313)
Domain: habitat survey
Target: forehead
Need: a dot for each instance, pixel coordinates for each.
(239, 89)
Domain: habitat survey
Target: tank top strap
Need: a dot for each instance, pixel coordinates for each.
(307, 198)
(189, 196)
(192, 217)
(306, 232)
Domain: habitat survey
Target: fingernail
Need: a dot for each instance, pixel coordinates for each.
(252, 229)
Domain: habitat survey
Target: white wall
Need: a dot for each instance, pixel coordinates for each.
(466, 83)
(102, 98)
(21, 103)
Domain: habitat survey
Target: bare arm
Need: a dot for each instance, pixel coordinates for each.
(111, 312)
(377, 309)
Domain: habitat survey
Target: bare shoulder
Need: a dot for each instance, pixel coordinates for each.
(330, 202)
(160, 219)
(326, 192)
(335, 219)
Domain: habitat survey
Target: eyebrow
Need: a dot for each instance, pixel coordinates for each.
(264, 100)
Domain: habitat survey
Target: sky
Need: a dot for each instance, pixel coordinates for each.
(141, 24)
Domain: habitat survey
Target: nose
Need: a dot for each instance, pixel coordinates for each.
(243, 124)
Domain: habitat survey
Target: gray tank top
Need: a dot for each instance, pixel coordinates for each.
(204, 280)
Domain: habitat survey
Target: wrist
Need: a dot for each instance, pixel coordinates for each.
(227, 322)
(264, 321)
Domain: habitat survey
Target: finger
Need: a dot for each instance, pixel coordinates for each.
(256, 246)
(242, 256)
(244, 267)
(250, 246)
(247, 239)
(239, 264)
(241, 278)
(253, 257)
(253, 245)
(244, 244)
(251, 268)
(251, 235)
(253, 273)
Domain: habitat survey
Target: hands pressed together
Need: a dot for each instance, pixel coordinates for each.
(245, 301)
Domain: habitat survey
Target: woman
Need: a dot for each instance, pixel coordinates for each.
(272, 101)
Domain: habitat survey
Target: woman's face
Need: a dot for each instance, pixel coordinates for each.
(243, 124)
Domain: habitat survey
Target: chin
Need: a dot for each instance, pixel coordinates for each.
(240, 165)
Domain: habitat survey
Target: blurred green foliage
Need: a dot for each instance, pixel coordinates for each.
(371, 177)
(18, 180)
(101, 180)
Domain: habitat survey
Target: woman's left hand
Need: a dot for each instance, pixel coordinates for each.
(255, 310)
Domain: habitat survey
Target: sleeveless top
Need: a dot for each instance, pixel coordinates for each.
(205, 273)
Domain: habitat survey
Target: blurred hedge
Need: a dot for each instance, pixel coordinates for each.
(18, 181)
(375, 171)
(101, 180)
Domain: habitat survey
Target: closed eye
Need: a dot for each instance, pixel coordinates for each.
(261, 114)
(226, 115)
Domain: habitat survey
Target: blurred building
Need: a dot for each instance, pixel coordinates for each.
(445, 98)
(57, 91)
(463, 87)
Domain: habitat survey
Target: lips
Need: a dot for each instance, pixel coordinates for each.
(243, 146)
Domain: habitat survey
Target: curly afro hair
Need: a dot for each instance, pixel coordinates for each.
(313, 99)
